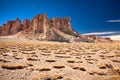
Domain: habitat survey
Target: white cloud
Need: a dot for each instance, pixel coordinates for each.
(118, 20)
(114, 37)
(101, 33)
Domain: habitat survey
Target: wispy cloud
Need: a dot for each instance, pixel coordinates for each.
(118, 20)
(114, 35)
(103, 33)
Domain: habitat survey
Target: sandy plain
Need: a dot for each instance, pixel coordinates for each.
(34, 60)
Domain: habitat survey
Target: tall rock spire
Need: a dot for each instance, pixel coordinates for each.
(46, 24)
(43, 28)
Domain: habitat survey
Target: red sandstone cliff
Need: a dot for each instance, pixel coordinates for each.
(43, 28)
(11, 27)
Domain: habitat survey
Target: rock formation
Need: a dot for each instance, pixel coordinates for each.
(43, 28)
(98, 39)
(26, 24)
(16, 26)
(11, 27)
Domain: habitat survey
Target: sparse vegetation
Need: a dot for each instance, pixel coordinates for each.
(45, 69)
(13, 66)
(59, 60)
(58, 66)
(32, 59)
(82, 69)
(50, 61)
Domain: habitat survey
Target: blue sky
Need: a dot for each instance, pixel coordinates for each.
(88, 16)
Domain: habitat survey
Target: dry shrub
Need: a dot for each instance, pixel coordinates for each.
(13, 66)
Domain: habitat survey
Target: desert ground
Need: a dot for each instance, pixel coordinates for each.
(34, 60)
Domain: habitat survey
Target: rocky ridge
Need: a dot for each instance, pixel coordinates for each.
(98, 39)
(43, 28)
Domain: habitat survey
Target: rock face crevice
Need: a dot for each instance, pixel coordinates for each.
(43, 28)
